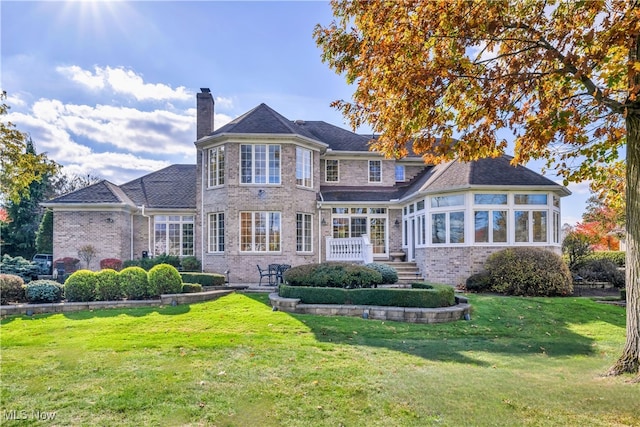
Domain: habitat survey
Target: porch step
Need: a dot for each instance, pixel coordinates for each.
(407, 271)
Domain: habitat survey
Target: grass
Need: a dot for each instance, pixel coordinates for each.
(234, 362)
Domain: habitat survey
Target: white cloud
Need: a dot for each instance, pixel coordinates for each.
(125, 82)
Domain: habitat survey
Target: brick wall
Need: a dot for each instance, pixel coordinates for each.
(453, 265)
(107, 232)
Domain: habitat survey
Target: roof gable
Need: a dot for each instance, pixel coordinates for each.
(101, 192)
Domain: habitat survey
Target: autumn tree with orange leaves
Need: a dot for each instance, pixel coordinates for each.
(563, 77)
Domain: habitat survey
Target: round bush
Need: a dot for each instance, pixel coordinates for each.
(389, 274)
(333, 275)
(479, 282)
(529, 272)
(43, 291)
(134, 282)
(80, 286)
(107, 285)
(164, 279)
(11, 289)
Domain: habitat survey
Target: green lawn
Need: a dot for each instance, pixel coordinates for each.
(233, 361)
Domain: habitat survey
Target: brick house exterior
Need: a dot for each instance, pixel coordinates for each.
(266, 189)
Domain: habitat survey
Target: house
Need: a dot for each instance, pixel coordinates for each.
(266, 189)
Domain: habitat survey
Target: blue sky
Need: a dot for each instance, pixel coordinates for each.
(108, 88)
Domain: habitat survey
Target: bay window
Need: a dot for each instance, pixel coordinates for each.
(259, 164)
(216, 232)
(216, 167)
(303, 233)
(303, 167)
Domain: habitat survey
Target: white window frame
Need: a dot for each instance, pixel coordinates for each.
(304, 169)
(271, 164)
(162, 245)
(372, 177)
(326, 170)
(272, 221)
(215, 175)
(216, 232)
(304, 232)
(400, 173)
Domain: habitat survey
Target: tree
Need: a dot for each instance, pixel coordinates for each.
(448, 76)
(24, 214)
(18, 166)
(44, 235)
(86, 253)
(63, 183)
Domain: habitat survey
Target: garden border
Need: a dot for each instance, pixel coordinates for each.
(462, 310)
(67, 307)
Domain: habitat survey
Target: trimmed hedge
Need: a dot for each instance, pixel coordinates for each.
(134, 283)
(43, 291)
(11, 289)
(616, 257)
(204, 279)
(164, 279)
(107, 286)
(528, 272)
(80, 286)
(436, 296)
(333, 275)
(189, 288)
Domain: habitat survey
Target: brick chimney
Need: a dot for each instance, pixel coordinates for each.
(204, 118)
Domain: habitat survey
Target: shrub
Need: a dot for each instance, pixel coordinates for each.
(11, 289)
(204, 279)
(479, 282)
(435, 296)
(19, 266)
(69, 264)
(576, 246)
(389, 274)
(43, 291)
(528, 272)
(616, 257)
(173, 260)
(148, 263)
(600, 270)
(134, 282)
(108, 286)
(333, 275)
(188, 288)
(164, 279)
(80, 286)
(111, 263)
(191, 263)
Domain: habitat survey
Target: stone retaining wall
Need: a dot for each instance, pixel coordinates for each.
(67, 307)
(399, 314)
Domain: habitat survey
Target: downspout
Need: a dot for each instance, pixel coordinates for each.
(148, 232)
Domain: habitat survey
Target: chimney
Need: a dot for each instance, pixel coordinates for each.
(204, 119)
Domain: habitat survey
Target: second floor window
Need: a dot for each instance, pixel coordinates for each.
(303, 167)
(216, 166)
(375, 170)
(399, 173)
(332, 170)
(259, 164)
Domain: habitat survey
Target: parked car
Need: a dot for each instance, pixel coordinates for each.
(44, 262)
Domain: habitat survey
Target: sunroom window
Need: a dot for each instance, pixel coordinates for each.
(173, 235)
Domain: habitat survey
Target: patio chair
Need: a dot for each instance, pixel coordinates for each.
(268, 272)
(280, 272)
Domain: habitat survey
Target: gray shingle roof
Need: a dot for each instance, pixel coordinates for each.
(171, 187)
(483, 172)
(100, 192)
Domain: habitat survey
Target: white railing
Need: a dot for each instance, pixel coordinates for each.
(357, 249)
